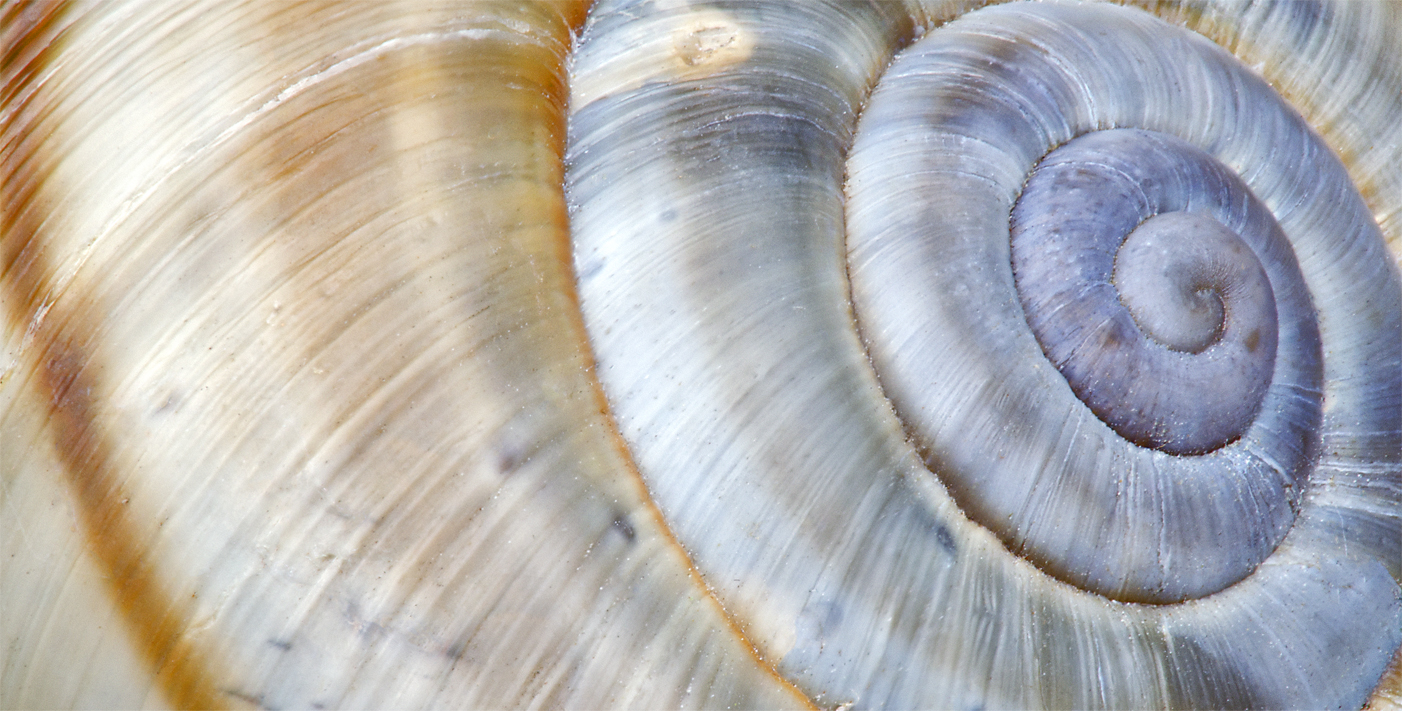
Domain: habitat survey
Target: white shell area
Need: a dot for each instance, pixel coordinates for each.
(299, 407)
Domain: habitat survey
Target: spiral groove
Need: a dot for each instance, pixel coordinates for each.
(1116, 241)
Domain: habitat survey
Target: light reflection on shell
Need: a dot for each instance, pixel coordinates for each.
(300, 405)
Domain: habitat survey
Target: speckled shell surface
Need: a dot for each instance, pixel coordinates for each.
(503, 354)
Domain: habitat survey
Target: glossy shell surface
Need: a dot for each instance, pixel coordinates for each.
(534, 354)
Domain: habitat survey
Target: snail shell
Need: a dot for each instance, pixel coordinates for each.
(328, 384)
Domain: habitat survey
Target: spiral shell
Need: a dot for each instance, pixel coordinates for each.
(690, 354)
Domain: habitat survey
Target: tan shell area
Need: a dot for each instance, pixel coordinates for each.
(331, 301)
(296, 404)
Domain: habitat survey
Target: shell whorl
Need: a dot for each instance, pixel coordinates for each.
(722, 235)
(1145, 280)
(930, 252)
(672, 353)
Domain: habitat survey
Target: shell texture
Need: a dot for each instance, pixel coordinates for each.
(671, 354)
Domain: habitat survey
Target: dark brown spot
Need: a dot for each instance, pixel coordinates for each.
(621, 524)
(1253, 340)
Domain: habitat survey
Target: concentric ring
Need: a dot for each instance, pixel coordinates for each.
(1077, 459)
(850, 512)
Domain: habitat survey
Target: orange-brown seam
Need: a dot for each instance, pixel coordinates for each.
(68, 376)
